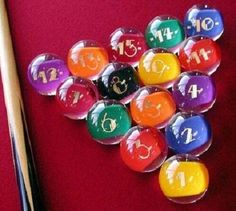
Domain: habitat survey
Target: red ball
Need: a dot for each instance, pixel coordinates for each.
(143, 149)
(127, 46)
(200, 54)
(75, 96)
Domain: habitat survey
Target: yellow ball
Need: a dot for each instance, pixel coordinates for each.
(158, 67)
(183, 179)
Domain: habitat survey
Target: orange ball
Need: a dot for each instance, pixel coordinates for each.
(87, 59)
(152, 106)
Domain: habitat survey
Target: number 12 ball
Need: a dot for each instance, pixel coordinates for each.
(46, 72)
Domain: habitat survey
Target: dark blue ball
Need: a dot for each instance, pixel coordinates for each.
(188, 133)
(205, 21)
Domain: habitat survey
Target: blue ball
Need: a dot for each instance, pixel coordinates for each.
(205, 21)
(188, 133)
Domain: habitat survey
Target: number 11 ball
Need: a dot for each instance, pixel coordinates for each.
(200, 54)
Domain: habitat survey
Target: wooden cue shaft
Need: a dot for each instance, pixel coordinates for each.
(21, 149)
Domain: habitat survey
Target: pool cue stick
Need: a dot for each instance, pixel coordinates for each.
(21, 149)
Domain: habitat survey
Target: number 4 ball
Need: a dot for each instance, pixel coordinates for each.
(194, 92)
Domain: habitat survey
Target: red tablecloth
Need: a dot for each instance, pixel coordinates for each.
(77, 173)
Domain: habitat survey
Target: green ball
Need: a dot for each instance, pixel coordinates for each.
(164, 32)
(108, 121)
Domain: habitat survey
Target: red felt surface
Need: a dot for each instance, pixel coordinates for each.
(77, 173)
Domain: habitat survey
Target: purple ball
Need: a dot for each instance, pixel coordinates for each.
(46, 72)
(194, 92)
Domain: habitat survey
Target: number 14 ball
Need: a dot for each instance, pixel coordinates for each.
(164, 32)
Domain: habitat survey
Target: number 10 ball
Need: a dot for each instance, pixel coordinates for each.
(204, 20)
